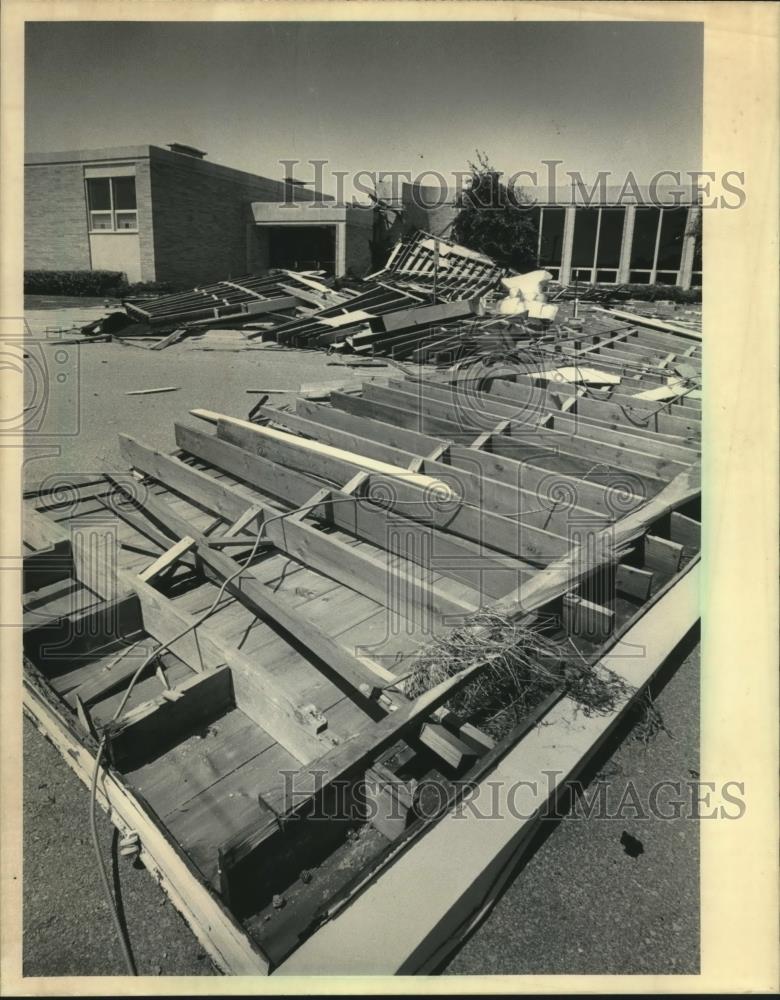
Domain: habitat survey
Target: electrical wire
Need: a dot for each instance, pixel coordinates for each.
(162, 647)
(154, 654)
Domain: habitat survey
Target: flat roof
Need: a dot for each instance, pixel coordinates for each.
(183, 160)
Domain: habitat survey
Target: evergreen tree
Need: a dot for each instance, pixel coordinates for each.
(496, 220)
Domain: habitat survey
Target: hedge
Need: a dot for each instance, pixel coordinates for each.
(640, 293)
(95, 284)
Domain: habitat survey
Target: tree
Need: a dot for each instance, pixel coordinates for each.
(495, 219)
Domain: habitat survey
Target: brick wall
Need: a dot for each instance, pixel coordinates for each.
(55, 218)
(201, 217)
(360, 235)
(143, 199)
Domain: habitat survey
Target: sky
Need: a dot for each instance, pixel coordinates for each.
(374, 96)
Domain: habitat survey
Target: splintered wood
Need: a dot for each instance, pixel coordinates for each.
(298, 564)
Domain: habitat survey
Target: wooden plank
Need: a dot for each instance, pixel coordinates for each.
(373, 574)
(344, 759)
(472, 485)
(662, 555)
(457, 558)
(427, 315)
(683, 407)
(141, 733)
(653, 324)
(386, 434)
(685, 530)
(41, 532)
(598, 551)
(579, 444)
(316, 450)
(487, 854)
(446, 744)
(444, 511)
(600, 427)
(215, 928)
(358, 671)
(167, 559)
(633, 581)
(645, 419)
(482, 439)
(536, 470)
(586, 619)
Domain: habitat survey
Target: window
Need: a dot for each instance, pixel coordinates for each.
(551, 221)
(656, 251)
(697, 268)
(598, 236)
(112, 206)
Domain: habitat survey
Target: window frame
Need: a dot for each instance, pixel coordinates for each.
(655, 270)
(594, 268)
(112, 211)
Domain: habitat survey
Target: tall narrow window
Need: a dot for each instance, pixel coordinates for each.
(586, 223)
(598, 235)
(610, 242)
(112, 204)
(670, 244)
(551, 220)
(656, 252)
(643, 247)
(697, 254)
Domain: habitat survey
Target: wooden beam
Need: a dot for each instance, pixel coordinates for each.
(372, 574)
(524, 438)
(685, 530)
(352, 413)
(478, 525)
(343, 761)
(167, 559)
(42, 533)
(258, 695)
(314, 449)
(630, 436)
(586, 619)
(633, 581)
(216, 929)
(356, 671)
(473, 485)
(653, 324)
(148, 729)
(457, 558)
(661, 554)
(645, 421)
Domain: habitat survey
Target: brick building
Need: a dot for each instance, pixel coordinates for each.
(171, 215)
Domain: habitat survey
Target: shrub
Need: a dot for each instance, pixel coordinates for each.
(654, 293)
(76, 283)
(147, 288)
(624, 293)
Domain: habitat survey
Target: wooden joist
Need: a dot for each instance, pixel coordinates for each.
(475, 487)
(523, 436)
(343, 761)
(163, 720)
(357, 671)
(443, 511)
(318, 450)
(373, 574)
(391, 425)
(451, 556)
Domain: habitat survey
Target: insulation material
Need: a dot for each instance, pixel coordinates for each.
(592, 376)
(529, 287)
(511, 306)
(674, 387)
